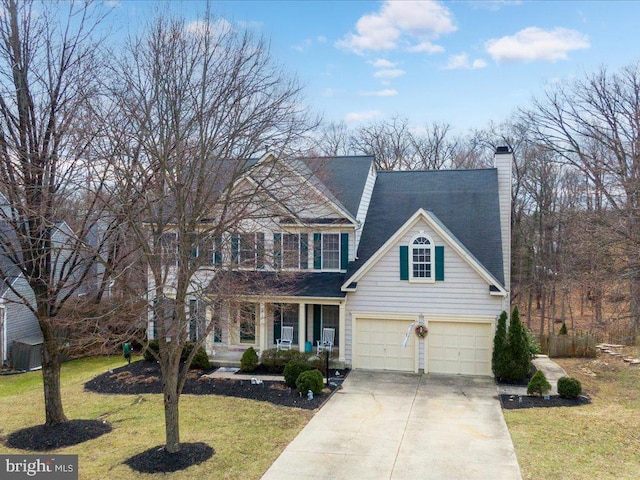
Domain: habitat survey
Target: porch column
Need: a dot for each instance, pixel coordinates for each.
(264, 336)
(302, 324)
(342, 322)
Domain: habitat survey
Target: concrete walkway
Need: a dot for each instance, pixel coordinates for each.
(384, 425)
(551, 370)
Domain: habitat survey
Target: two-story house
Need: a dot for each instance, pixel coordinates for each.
(371, 255)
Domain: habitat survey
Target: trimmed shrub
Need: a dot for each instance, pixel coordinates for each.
(563, 329)
(498, 359)
(249, 360)
(310, 380)
(538, 384)
(200, 360)
(152, 346)
(569, 387)
(275, 360)
(293, 369)
(518, 362)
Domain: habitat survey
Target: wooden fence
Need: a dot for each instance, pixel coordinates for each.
(573, 345)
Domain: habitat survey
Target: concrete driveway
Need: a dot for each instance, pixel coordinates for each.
(384, 425)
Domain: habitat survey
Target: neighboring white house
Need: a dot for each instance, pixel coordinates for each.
(17, 320)
(372, 255)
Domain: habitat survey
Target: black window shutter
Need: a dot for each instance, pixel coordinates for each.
(404, 262)
(344, 250)
(317, 322)
(277, 250)
(439, 263)
(217, 251)
(304, 251)
(260, 250)
(317, 251)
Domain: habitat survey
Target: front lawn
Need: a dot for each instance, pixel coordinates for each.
(247, 435)
(599, 440)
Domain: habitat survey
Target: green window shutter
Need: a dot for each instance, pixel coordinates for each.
(304, 251)
(344, 250)
(217, 251)
(404, 262)
(439, 264)
(277, 251)
(277, 325)
(260, 250)
(317, 323)
(235, 250)
(317, 251)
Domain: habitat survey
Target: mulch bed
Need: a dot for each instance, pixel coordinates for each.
(158, 460)
(143, 377)
(513, 402)
(49, 437)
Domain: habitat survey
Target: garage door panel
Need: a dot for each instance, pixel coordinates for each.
(379, 345)
(459, 348)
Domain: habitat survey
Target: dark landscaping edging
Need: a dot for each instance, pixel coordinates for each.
(514, 402)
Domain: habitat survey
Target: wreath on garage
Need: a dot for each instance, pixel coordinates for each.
(421, 331)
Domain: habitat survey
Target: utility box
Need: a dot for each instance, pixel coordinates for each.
(26, 353)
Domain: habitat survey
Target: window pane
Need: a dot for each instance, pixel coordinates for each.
(290, 250)
(248, 250)
(247, 322)
(331, 251)
(421, 258)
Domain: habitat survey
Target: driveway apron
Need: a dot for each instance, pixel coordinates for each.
(384, 425)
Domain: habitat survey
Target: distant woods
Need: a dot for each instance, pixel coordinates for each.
(576, 193)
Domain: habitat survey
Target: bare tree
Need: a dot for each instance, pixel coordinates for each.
(594, 124)
(47, 80)
(389, 140)
(193, 107)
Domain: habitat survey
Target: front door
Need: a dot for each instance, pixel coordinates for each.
(326, 316)
(285, 315)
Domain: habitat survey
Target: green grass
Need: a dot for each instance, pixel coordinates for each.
(599, 440)
(246, 435)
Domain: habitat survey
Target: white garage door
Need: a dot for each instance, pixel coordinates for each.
(459, 348)
(379, 345)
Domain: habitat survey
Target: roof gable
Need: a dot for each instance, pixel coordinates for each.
(464, 202)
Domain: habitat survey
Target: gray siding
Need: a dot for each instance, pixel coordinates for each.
(21, 322)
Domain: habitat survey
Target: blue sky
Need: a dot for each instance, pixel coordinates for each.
(465, 63)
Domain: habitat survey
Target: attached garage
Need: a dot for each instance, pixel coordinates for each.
(459, 348)
(378, 345)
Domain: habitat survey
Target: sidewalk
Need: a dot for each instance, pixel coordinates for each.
(551, 370)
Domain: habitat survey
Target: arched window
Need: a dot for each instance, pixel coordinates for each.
(421, 258)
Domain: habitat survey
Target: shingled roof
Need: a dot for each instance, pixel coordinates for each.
(464, 201)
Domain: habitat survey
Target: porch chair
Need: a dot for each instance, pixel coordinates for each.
(328, 334)
(285, 340)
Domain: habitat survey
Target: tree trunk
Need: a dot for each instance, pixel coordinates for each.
(171, 418)
(54, 413)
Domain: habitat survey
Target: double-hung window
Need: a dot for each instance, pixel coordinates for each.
(330, 251)
(421, 258)
(247, 250)
(290, 250)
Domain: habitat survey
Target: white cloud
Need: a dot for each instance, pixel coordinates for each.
(389, 92)
(382, 63)
(426, 47)
(389, 73)
(328, 92)
(217, 27)
(250, 24)
(356, 117)
(534, 44)
(321, 39)
(112, 3)
(462, 61)
(398, 22)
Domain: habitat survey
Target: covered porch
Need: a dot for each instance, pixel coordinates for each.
(258, 324)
